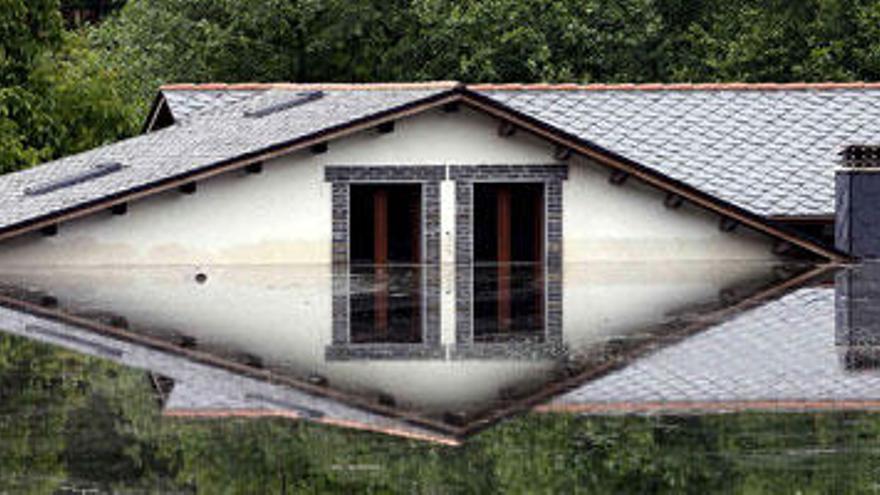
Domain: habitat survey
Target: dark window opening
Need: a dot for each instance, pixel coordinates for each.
(162, 118)
(509, 262)
(385, 252)
(385, 224)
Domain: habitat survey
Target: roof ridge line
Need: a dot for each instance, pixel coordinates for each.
(352, 86)
(338, 86)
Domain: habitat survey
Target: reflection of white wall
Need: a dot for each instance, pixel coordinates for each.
(283, 314)
(283, 215)
(603, 300)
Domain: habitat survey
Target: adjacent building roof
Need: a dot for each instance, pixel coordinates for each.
(769, 150)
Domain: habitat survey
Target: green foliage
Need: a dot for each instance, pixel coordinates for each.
(62, 93)
(69, 420)
(56, 95)
(27, 28)
(495, 40)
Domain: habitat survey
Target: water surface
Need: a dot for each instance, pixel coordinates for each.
(682, 378)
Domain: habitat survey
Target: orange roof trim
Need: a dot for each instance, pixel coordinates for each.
(674, 407)
(308, 86)
(728, 86)
(276, 413)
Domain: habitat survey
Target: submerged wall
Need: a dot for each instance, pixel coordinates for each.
(283, 215)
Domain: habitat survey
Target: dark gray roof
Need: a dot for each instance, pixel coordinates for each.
(784, 350)
(771, 152)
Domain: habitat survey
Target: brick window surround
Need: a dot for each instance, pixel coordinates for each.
(341, 178)
(465, 177)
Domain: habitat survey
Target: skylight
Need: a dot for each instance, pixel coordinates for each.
(96, 171)
(298, 99)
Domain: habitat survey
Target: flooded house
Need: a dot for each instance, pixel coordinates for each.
(423, 258)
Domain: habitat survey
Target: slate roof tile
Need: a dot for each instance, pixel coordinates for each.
(709, 136)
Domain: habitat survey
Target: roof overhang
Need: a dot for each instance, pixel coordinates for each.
(473, 99)
(618, 162)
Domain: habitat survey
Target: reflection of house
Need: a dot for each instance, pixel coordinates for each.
(857, 292)
(503, 186)
(205, 386)
(220, 341)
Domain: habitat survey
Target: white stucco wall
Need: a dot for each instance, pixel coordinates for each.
(283, 214)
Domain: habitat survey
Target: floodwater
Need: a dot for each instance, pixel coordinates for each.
(595, 378)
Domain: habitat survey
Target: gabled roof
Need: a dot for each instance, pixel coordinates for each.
(756, 151)
(216, 136)
(768, 148)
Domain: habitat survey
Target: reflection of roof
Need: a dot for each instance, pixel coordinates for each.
(211, 384)
(779, 355)
(203, 389)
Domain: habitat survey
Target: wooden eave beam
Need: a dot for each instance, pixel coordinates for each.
(188, 188)
(451, 107)
(119, 209)
(385, 127)
(50, 230)
(254, 168)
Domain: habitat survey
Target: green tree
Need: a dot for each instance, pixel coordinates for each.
(56, 97)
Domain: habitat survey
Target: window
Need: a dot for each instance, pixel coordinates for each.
(508, 229)
(385, 257)
(508, 255)
(386, 261)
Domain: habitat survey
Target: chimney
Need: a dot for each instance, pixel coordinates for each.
(857, 316)
(857, 220)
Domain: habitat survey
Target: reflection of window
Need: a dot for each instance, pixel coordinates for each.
(385, 252)
(508, 226)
